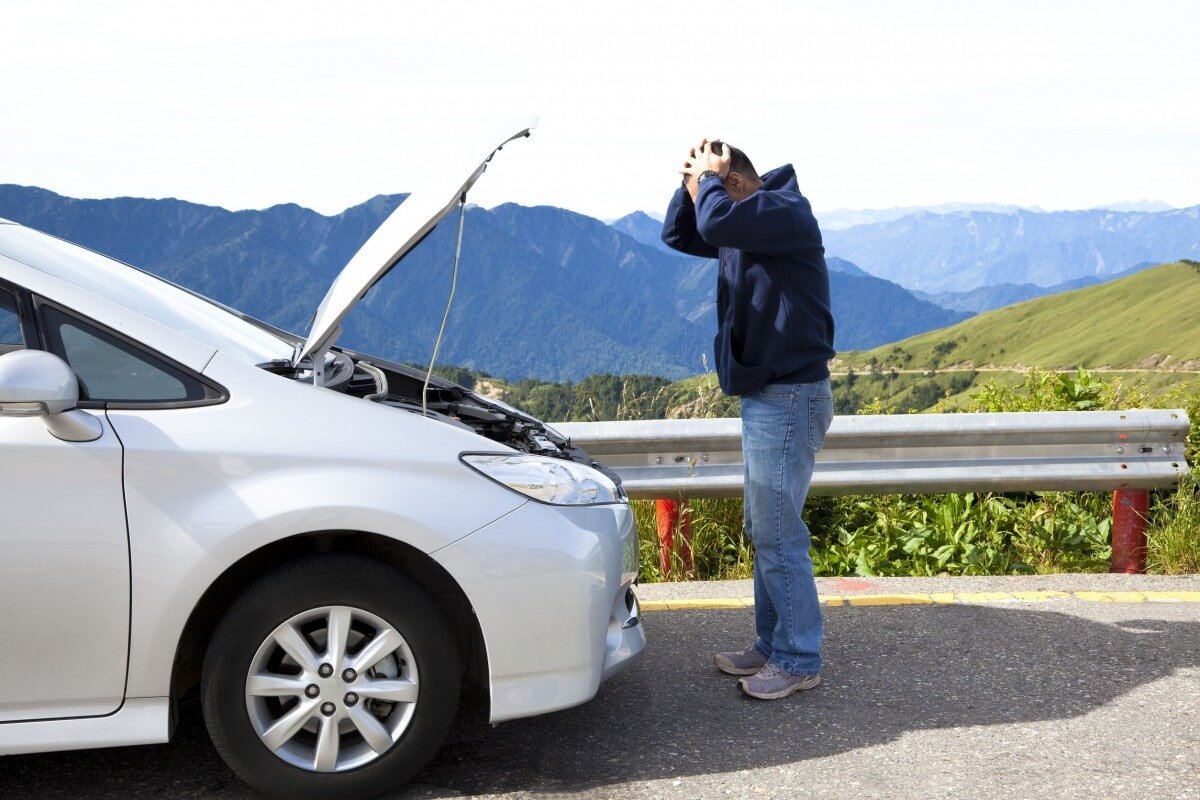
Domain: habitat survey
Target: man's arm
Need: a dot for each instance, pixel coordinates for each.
(765, 222)
(679, 227)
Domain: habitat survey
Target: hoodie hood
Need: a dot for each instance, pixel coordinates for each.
(780, 178)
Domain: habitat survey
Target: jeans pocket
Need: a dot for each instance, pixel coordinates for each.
(820, 417)
(777, 389)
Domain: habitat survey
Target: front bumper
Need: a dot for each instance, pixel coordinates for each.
(552, 587)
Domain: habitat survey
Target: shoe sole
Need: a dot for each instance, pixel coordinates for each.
(726, 666)
(802, 686)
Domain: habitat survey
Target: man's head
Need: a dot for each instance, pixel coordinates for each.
(742, 180)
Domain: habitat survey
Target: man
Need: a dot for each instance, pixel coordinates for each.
(774, 339)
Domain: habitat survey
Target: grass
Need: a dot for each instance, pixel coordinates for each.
(1122, 324)
(1173, 540)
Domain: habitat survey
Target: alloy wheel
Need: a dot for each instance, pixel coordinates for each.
(332, 689)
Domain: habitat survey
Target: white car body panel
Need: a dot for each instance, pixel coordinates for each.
(207, 486)
(563, 598)
(63, 551)
(138, 721)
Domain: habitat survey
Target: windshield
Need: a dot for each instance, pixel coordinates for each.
(143, 294)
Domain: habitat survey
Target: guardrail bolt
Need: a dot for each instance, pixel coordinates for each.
(1130, 519)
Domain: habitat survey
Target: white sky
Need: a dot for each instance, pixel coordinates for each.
(878, 104)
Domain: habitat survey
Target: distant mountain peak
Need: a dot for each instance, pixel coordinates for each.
(1135, 205)
(642, 227)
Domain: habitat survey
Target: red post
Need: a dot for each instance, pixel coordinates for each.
(1130, 519)
(672, 515)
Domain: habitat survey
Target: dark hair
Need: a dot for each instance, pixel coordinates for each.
(738, 162)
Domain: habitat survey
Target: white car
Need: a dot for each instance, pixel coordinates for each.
(325, 543)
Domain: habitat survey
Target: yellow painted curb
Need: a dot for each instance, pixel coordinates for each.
(940, 598)
(984, 597)
(1173, 597)
(1039, 596)
(718, 602)
(1111, 597)
(653, 605)
(889, 600)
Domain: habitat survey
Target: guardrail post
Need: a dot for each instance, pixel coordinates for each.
(672, 516)
(1130, 519)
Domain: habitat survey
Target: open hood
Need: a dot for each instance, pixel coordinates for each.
(401, 232)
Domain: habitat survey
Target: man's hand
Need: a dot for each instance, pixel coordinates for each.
(701, 159)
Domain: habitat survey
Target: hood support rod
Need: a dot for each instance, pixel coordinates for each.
(462, 213)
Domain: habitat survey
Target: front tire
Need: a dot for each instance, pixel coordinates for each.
(331, 677)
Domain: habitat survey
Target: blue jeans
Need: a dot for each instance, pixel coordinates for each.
(783, 427)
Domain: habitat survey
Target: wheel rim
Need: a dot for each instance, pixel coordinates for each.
(332, 689)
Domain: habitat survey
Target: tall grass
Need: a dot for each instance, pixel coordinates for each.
(1173, 541)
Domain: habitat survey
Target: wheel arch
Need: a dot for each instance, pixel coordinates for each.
(431, 576)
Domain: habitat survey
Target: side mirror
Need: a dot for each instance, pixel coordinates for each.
(34, 383)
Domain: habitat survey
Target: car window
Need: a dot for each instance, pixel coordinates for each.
(112, 370)
(11, 337)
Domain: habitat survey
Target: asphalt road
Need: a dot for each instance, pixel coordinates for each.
(1063, 699)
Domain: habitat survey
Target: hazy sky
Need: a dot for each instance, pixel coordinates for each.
(878, 104)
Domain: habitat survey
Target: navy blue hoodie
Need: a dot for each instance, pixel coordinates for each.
(774, 323)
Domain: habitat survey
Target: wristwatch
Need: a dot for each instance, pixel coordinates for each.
(706, 174)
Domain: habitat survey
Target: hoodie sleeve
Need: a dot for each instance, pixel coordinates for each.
(765, 222)
(679, 227)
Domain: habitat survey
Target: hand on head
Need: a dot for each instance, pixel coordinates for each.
(708, 155)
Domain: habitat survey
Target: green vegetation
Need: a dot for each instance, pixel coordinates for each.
(1173, 541)
(1132, 323)
(967, 534)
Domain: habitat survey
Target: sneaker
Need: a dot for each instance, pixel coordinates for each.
(772, 682)
(744, 662)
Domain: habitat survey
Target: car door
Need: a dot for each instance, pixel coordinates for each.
(64, 562)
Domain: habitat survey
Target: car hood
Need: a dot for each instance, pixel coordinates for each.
(402, 231)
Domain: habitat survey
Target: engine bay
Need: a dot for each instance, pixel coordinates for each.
(400, 386)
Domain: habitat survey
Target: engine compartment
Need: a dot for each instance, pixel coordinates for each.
(352, 373)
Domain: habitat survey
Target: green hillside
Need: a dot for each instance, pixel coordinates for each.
(1150, 320)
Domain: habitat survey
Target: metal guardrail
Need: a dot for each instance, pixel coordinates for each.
(910, 453)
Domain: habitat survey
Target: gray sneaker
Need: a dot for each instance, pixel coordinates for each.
(772, 682)
(743, 662)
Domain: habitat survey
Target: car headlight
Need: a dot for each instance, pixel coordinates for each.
(548, 480)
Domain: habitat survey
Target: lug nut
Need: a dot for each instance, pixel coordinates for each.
(351, 698)
(328, 708)
(312, 690)
(325, 670)
(349, 676)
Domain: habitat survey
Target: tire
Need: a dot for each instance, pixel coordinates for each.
(288, 742)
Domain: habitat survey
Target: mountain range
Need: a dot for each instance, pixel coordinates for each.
(541, 292)
(966, 250)
(549, 293)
